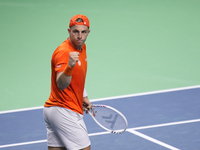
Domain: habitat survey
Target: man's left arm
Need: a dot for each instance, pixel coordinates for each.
(86, 100)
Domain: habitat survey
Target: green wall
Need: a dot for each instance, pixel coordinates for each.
(133, 47)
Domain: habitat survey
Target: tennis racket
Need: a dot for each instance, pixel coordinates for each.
(108, 118)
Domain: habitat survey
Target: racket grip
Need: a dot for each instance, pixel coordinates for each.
(85, 105)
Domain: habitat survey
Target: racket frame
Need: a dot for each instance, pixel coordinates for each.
(109, 107)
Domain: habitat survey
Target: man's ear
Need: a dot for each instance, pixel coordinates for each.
(68, 30)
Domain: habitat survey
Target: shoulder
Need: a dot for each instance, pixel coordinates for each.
(63, 48)
(61, 53)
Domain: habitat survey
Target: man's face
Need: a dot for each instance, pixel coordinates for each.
(78, 35)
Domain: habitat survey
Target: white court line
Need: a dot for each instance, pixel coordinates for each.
(131, 130)
(114, 97)
(153, 140)
(43, 141)
(18, 110)
(147, 93)
(24, 143)
(165, 124)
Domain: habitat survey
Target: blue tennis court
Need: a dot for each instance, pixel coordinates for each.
(167, 119)
(143, 59)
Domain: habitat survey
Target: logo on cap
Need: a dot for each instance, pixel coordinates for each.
(85, 22)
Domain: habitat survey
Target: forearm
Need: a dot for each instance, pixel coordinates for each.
(63, 80)
(85, 97)
(86, 100)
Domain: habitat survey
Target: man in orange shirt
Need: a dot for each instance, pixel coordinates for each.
(63, 111)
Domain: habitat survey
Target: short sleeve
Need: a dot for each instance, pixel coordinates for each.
(60, 60)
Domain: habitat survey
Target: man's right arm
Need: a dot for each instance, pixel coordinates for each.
(63, 79)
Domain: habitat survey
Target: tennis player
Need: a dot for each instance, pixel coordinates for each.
(63, 111)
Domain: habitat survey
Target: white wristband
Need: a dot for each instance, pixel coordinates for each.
(84, 93)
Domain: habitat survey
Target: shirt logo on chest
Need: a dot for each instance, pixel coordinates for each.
(79, 63)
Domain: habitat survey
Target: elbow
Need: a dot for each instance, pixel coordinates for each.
(62, 81)
(61, 86)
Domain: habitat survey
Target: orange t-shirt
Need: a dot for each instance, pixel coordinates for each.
(71, 97)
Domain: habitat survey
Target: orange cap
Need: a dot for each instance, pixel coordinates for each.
(74, 18)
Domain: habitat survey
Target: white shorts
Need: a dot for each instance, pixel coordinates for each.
(65, 128)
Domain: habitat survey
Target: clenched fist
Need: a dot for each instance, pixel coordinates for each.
(73, 58)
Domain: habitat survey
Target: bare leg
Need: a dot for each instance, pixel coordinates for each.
(63, 148)
(87, 148)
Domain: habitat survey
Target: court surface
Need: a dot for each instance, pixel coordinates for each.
(167, 119)
(143, 59)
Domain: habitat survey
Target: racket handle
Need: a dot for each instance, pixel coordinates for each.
(86, 109)
(85, 105)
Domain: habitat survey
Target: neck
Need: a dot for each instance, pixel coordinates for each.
(77, 47)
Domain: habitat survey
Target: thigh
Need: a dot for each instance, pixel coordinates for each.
(87, 148)
(57, 148)
(53, 140)
(70, 128)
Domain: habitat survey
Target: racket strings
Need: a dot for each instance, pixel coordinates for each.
(109, 118)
